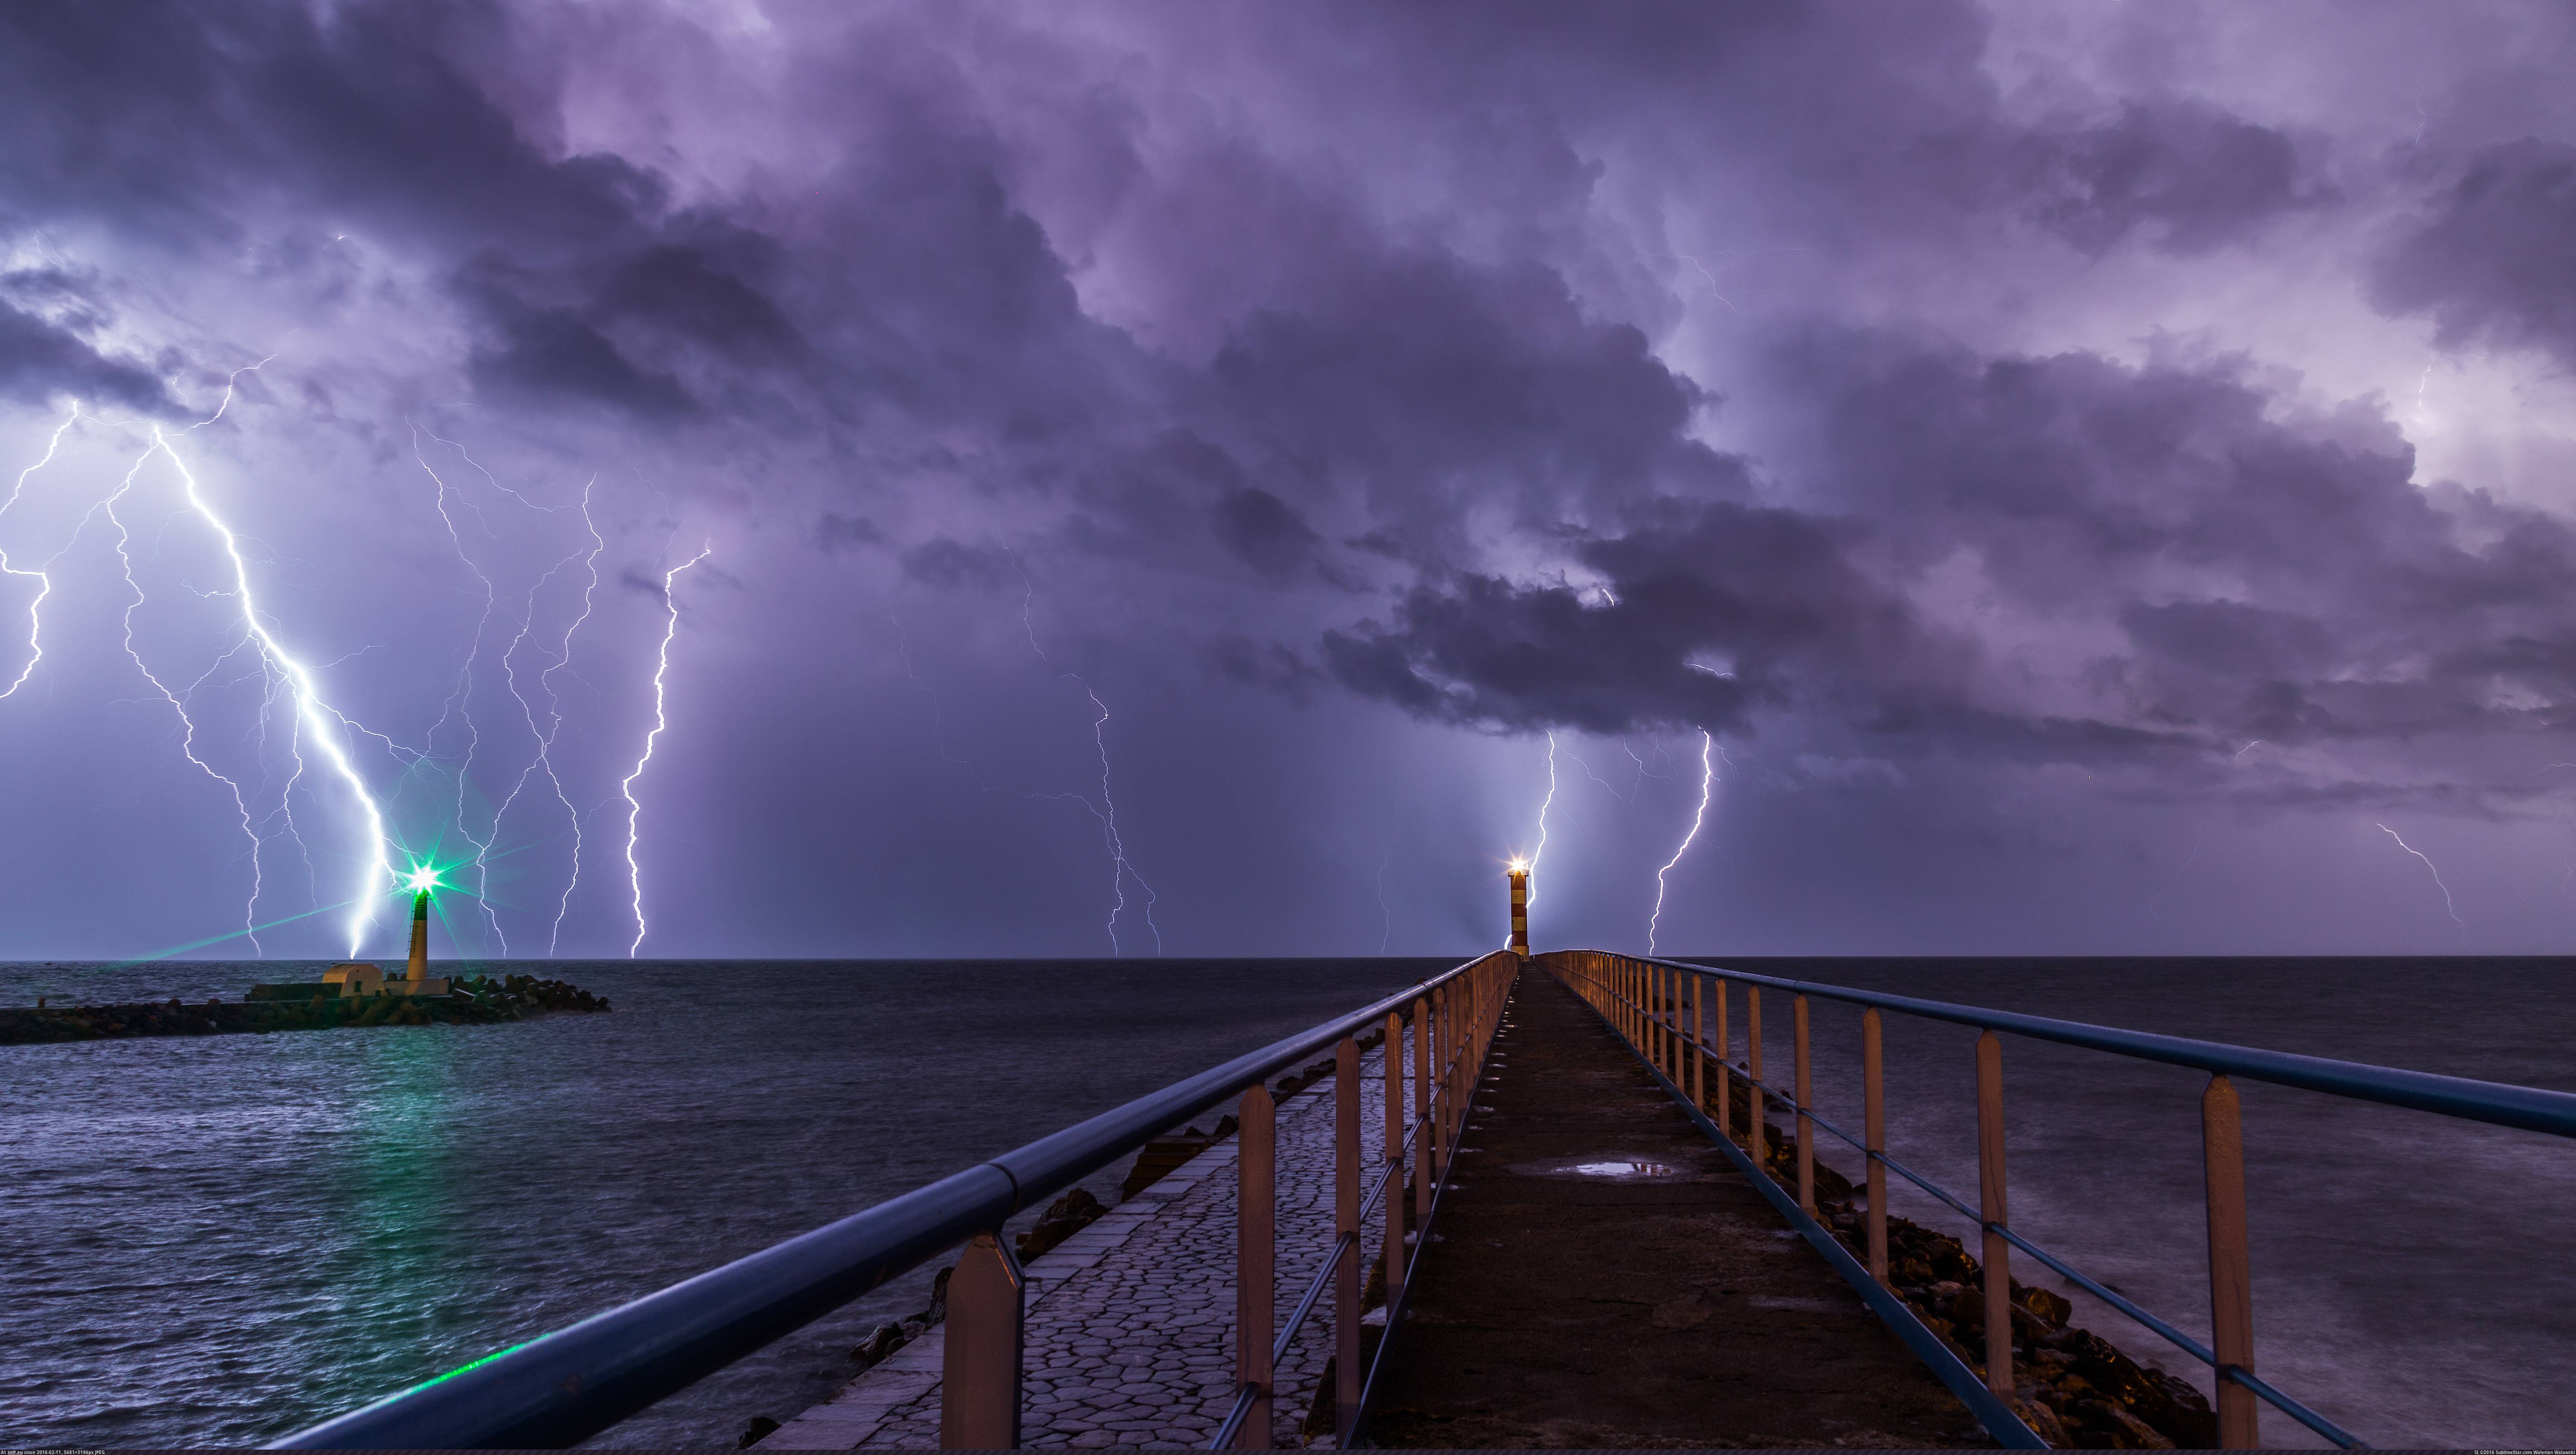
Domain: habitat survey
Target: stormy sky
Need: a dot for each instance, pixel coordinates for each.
(2090, 478)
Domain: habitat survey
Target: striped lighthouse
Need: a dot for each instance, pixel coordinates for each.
(1520, 906)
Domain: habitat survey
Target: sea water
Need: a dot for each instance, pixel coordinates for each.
(220, 1240)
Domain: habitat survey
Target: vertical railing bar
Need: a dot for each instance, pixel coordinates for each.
(1990, 1198)
(979, 1378)
(2231, 1283)
(1753, 1066)
(1699, 1045)
(1256, 1293)
(1806, 1098)
(1422, 1110)
(1725, 1067)
(1346, 1223)
(1391, 1236)
(1439, 1103)
(1873, 1092)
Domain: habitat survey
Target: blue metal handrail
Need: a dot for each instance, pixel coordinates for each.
(2185, 1342)
(2495, 1103)
(563, 1387)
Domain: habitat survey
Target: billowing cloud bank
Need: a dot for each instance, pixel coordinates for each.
(1166, 474)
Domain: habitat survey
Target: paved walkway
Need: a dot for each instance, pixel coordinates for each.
(1130, 1337)
(1603, 1277)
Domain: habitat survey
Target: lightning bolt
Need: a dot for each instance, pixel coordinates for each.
(461, 701)
(1597, 778)
(554, 710)
(1636, 785)
(1712, 282)
(1543, 806)
(187, 723)
(326, 724)
(2447, 905)
(2186, 863)
(1120, 871)
(45, 587)
(634, 809)
(1707, 779)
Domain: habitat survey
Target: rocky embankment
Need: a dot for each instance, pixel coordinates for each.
(478, 1001)
(2075, 1390)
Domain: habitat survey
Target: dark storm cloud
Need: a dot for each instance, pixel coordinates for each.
(2185, 176)
(555, 355)
(1443, 378)
(191, 121)
(40, 363)
(2263, 578)
(2493, 259)
(1857, 128)
(1708, 611)
(949, 563)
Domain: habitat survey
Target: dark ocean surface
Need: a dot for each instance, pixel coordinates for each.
(217, 1241)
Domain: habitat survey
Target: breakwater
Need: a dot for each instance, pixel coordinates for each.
(2075, 1389)
(481, 1000)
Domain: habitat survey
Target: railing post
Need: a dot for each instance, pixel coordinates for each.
(1647, 1045)
(1664, 1019)
(1699, 1048)
(1655, 1017)
(1990, 1198)
(1255, 1259)
(2231, 1267)
(1422, 1111)
(1806, 1130)
(1725, 1045)
(1392, 1246)
(1673, 1026)
(1346, 1223)
(1437, 1108)
(1873, 1092)
(1753, 1068)
(979, 1382)
(1453, 1028)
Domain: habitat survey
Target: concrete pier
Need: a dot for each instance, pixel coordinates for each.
(1130, 1321)
(1601, 1276)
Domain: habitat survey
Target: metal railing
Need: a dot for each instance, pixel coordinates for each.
(1452, 1033)
(563, 1387)
(1660, 1007)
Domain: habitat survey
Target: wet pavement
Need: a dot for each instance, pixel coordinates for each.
(1601, 1276)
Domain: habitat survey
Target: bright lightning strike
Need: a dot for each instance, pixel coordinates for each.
(1605, 783)
(1543, 805)
(2450, 908)
(554, 711)
(461, 701)
(45, 586)
(325, 722)
(634, 809)
(1707, 779)
(1120, 871)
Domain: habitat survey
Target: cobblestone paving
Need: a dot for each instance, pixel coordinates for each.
(1130, 1337)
